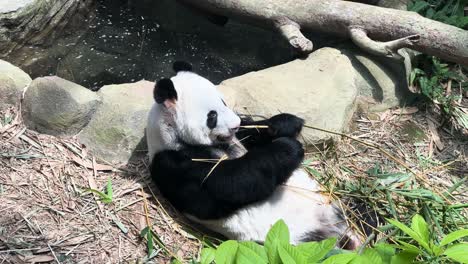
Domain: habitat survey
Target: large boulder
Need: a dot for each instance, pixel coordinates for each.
(12, 82)
(56, 106)
(321, 89)
(116, 132)
(381, 82)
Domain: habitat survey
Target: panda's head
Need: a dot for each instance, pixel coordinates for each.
(194, 109)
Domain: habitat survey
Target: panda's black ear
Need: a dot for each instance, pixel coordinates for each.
(165, 92)
(181, 66)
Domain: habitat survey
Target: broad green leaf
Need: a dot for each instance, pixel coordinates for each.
(403, 257)
(258, 249)
(291, 255)
(278, 234)
(226, 252)
(207, 255)
(340, 258)
(247, 253)
(453, 236)
(369, 256)
(437, 250)
(419, 225)
(408, 247)
(458, 252)
(411, 233)
(110, 193)
(315, 251)
(385, 251)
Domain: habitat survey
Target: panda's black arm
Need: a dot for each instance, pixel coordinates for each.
(250, 178)
(254, 176)
(282, 125)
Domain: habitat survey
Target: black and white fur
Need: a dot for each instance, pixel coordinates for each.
(260, 183)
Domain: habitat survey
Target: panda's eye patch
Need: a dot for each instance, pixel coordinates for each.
(212, 119)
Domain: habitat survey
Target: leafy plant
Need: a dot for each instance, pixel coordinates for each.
(447, 11)
(104, 197)
(147, 233)
(435, 78)
(428, 249)
(277, 249)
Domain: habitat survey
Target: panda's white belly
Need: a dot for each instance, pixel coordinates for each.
(298, 202)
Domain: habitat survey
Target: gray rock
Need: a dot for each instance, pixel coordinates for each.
(116, 132)
(12, 82)
(56, 106)
(381, 82)
(321, 89)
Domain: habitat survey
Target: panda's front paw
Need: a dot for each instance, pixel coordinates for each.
(285, 125)
(289, 155)
(289, 149)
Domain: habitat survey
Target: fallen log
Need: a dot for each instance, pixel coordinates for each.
(378, 30)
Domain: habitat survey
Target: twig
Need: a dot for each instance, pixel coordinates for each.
(366, 242)
(224, 157)
(254, 126)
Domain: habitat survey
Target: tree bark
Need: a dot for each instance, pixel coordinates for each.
(376, 29)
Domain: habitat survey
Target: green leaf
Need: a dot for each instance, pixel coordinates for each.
(207, 255)
(226, 252)
(411, 233)
(404, 257)
(340, 258)
(315, 251)
(408, 247)
(278, 234)
(101, 195)
(372, 256)
(149, 237)
(385, 251)
(256, 248)
(453, 236)
(110, 192)
(458, 252)
(290, 254)
(418, 6)
(419, 225)
(144, 231)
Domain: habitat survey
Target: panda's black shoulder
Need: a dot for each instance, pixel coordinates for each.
(178, 66)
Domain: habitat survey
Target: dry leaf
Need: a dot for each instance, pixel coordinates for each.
(435, 135)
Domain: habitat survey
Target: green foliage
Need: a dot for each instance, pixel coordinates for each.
(432, 76)
(277, 249)
(446, 11)
(105, 197)
(426, 248)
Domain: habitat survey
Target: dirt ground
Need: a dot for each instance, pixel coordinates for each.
(46, 215)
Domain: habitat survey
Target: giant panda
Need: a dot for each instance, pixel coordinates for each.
(260, 182)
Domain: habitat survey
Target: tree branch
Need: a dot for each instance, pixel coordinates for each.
(394, 28)
(291, 31)
(387, 49)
